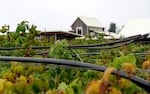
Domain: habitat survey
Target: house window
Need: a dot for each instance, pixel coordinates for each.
(79, 30)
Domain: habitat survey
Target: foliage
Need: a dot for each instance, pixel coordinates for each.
(4, 28)
(100, 37)
(59, 50)
(33, 78)
(22, 27)
(123, 59)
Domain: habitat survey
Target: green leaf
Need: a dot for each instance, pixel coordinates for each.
(62, 85)
(130, 58)
(70, 91)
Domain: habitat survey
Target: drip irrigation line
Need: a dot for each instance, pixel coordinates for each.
(10, 48)
(70, 63)
(145, 42)
(106, 47)
(88, 54)
(40, 47)
(143, 71)
(137, 38)
(144, 53)
(96, 53)
(33, 47)
(42, 53)
(92, 53)
(108, 43)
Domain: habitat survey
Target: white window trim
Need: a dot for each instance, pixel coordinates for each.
(81, 28)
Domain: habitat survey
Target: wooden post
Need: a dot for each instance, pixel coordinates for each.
(55, 37)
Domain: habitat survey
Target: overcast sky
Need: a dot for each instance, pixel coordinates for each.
(60, 14)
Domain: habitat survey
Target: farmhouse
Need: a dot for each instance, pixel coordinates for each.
(87, 26)
(81, 27)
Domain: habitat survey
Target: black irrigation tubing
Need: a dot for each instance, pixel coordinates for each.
(138, 81)
(42, 53)
(10, 48)
(40, 47)
(136, 38)
(145, 42)
(108, 43)
(93, 53)
(144, 53)
(144, 71)
(89, 53)
(96, 53)
(33, 47)
(106, 47)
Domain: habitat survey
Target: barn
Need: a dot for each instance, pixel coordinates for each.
(135, 27)
(59, 34)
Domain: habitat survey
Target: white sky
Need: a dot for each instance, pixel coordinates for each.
(60, 14)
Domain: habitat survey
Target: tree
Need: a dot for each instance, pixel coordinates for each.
(22, 27)
(4, 28)
(33, 30)
(112, 27)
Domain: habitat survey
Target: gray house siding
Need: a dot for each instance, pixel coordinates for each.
(88, 28)
(96, 28)
(79, 23)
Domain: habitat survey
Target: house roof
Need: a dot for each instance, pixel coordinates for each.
(61, 32)
(93, 22)
(135, 27)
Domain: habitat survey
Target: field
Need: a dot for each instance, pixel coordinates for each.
(127, 60)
